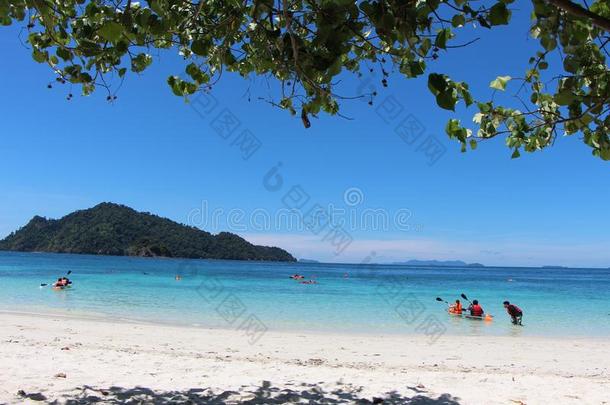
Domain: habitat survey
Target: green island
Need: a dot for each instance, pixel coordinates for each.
(113, 229)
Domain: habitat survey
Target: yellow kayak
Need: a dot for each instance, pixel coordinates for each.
(486, 317)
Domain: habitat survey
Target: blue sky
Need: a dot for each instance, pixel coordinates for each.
(153, 152)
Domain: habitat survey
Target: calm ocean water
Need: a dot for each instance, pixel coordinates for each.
(379, 299)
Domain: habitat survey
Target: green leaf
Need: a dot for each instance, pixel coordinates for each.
(571, 64)
(416, 68)
(64, 54)
(549, 43)
(447, 99)
(437, 83)
(387, 21)
(458, 20)
(200, 47)
(500, 83)
(564, 97)
(433, 4)
(499, 14)
(425, 46)
(485, 107)
(39, 56)
(455, 130)
(85, 78)
(111, 31)
(452, 127)
(442, 37)
(463, 89)
(174, 82)
(586, 119)
(181, 87)
(140, 62)
(515, 154)
(473, 144)
(196, 74)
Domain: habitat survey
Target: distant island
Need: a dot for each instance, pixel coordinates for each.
(117, 230)
(440, 263)
(311, 261)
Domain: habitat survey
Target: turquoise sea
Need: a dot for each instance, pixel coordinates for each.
(377, 299)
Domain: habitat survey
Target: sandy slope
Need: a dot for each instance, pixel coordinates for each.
(142, 363)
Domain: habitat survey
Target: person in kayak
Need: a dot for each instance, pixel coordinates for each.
(62, 282)
(475, 309)
(516, 314)
(456, 308)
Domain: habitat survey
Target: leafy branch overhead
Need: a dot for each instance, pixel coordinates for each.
(305, 45)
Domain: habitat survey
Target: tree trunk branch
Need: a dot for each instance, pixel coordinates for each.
(199, 7)
(578, 10)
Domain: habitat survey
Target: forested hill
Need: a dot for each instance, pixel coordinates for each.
(113, 229)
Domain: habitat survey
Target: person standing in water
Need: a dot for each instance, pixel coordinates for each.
(516, 314)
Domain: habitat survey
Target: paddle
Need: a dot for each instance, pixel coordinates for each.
(466, 298)
(439, 299)
(67, 274)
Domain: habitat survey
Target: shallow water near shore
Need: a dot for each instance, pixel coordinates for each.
(377, 299)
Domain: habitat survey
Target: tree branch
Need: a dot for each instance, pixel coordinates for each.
(293, 42)
(577, 10)
(199, 7)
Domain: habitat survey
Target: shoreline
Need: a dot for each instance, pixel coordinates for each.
(105, 318)
(152, 362)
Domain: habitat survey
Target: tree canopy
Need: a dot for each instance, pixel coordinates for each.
(305, 45)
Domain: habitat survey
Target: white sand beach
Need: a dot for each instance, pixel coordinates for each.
(49, 359)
